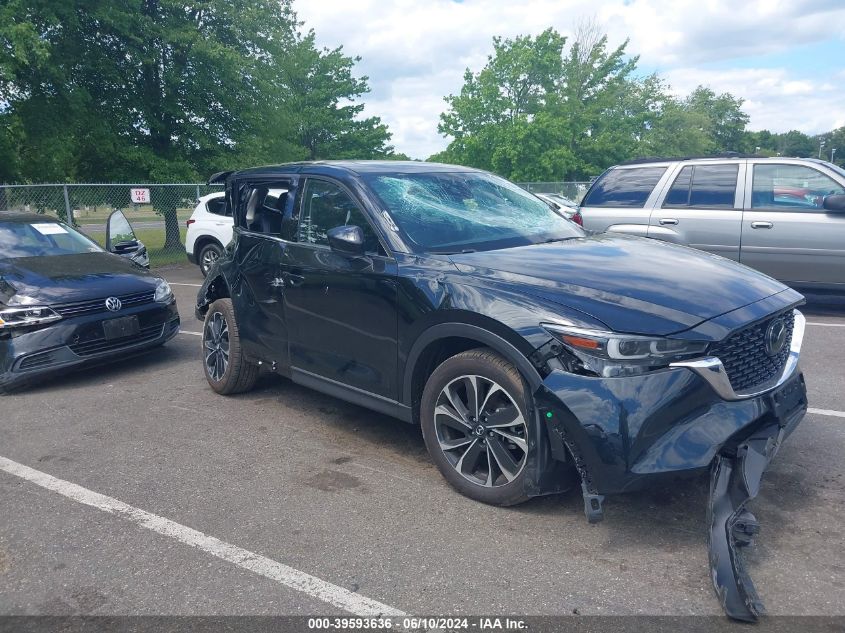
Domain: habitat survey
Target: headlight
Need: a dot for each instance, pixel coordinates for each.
(30, 315)
(611, 354)
(163, 292)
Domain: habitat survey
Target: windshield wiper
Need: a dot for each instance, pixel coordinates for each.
(461, 252)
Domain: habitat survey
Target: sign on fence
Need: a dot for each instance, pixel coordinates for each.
(140, 196)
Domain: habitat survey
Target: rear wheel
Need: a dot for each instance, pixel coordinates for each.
(209, 254)
(475, 424)
(226, 368)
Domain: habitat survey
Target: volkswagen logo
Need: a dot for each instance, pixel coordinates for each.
(775, 337)
(113, 304)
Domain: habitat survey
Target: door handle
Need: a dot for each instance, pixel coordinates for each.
(761, 225)
(665, 221)
(293, 280)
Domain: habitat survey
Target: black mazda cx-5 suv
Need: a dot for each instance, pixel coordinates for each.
(533, 355)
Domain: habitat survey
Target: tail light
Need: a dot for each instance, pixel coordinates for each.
(576, 217)
(191, 221)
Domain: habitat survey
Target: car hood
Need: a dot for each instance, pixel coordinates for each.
(61, 279)
(630, 284)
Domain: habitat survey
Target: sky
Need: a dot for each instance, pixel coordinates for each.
(785, 58)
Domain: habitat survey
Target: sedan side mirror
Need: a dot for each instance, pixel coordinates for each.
(835, 203)
(347, 239)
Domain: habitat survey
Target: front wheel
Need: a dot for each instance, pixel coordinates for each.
(226, 368)
(475, 425)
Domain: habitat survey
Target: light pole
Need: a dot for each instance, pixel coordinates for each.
(821, 145)
(832, 153)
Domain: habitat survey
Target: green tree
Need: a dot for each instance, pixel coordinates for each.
(163, 90)
(834, 139)
(726, 120)
(537, 111)
(322, 89)
(678, 131)
(795, 143)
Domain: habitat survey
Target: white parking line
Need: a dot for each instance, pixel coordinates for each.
(278, 572)
(191, 333)
(831, 412)
(826, 324)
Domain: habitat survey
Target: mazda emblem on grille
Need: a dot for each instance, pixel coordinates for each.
(113, 304)
(775, 337)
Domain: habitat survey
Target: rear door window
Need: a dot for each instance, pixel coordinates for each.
(624, 187)
(704, 186)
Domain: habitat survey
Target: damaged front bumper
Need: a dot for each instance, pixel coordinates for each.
(735, 480)
(627, 432)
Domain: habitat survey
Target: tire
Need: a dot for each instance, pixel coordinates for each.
(483, 455)
(208, 254)
(226, 369)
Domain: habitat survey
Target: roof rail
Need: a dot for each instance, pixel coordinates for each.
(656, 159)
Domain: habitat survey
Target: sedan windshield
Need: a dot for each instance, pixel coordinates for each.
(36, 239)
(458, 212)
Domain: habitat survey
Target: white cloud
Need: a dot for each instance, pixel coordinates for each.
(773, 99)
(415, 51)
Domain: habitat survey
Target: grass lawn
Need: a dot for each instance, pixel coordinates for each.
(141, 213)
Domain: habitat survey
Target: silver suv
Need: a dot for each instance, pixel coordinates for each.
(783, 216)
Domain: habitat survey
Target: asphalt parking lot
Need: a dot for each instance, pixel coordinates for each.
(345, 507)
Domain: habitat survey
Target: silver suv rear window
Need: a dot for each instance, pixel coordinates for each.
(629, 187)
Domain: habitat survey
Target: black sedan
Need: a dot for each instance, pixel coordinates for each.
(65, 302)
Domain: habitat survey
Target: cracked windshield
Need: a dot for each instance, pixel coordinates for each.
(461, 212)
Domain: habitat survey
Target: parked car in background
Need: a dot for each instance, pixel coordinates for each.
(564, 206)
(209, 230)
(65, 302)
(534, 356)
(558, 199)
(782, 216)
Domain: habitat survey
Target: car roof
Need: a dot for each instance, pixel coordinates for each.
(344, 167)
(25, 218)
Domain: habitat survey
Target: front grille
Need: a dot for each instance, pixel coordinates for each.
(94, 306)
(744, 355)
(100, 344)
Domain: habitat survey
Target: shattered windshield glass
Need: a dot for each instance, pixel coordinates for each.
(456, 212)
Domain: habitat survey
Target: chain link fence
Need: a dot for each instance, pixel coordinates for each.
(160, 222)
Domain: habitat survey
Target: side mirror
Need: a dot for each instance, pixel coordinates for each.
(347, 239)
(120, 238)
(835, 203)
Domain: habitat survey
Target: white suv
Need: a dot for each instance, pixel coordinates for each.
(209, 230)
